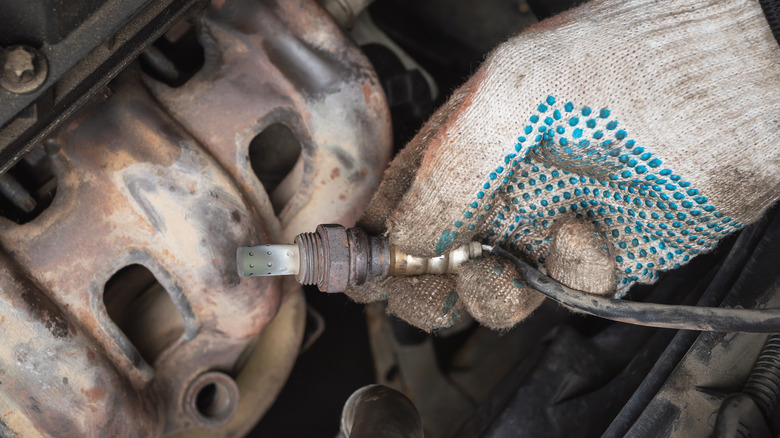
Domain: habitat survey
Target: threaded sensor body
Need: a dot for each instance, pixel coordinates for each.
(335, 258)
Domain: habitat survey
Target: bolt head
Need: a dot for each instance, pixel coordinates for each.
(19, 64)
(24, 69)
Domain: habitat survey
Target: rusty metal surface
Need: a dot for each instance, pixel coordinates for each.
(44, 388)
(135, 189)
(334, 257)
(159, 177)
(288, 62)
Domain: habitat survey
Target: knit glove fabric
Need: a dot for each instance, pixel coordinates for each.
(604, 145)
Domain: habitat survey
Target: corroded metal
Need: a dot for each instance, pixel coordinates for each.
(287, 62)
(133, 188)
(159, 177)
(54, 380)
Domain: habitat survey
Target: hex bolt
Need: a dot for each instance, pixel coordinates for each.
(24, 69)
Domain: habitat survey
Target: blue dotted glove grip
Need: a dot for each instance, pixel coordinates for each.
(581, 163)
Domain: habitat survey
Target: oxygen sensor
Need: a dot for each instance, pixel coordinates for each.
(335, 258)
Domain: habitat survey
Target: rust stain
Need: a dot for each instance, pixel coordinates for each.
(367, 93)
(335, 173)
(94, 394)
(45, 311)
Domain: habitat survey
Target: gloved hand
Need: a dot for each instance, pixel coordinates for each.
(605, 145)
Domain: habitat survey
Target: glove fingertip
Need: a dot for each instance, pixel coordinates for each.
(427, 302)
(579, 258)
(369, 292)
(494, 293)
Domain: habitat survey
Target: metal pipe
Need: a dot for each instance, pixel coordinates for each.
(18, 195)
(345, 12)
(377, 411)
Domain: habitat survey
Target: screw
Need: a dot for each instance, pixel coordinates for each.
(24, 69)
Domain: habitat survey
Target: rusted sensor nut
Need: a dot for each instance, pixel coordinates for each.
(334, 257)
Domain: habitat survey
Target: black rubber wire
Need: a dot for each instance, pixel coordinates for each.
(771, 10)
(710, 319)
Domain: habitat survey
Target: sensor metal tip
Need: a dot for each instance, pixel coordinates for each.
(267, 260)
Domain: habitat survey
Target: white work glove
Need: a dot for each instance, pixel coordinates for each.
(605, 145)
